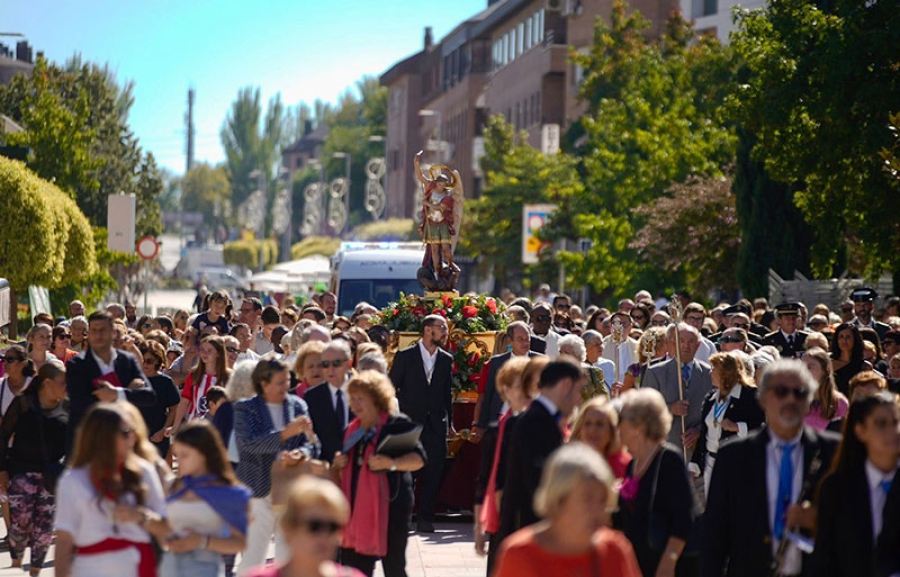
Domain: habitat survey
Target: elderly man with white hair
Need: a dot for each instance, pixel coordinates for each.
(593, 346)
(696, 379)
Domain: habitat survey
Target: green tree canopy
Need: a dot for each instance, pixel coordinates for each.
(821, 83)
(205, 189)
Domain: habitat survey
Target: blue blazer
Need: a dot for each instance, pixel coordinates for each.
(259, 443)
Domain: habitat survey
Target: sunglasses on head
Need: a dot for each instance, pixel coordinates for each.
(321, 526)
(335, 363)
(782, 391)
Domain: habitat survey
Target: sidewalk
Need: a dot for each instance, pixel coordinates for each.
(449, 552)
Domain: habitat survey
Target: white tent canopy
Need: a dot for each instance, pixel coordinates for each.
(295, 275)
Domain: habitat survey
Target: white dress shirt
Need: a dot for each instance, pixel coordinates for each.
(628, 355)
(105, 369)
(793, 561)
(877, 496)
(428, 360)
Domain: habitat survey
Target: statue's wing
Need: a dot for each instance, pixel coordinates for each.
(458, 197)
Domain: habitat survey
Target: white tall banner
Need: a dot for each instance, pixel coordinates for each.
(120, 222)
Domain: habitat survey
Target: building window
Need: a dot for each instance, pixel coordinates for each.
(528, 33)
(521, 36)
(540, 25)
(512, 44)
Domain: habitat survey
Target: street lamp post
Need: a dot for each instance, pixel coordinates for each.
(440, 143)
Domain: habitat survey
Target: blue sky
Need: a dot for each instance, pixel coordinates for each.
(305, 49)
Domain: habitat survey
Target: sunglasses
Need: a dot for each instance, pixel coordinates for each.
(731, 340)
(335, 363)
(147, 326)
(741, 326)
(64, 336)
(564, 307)
(8, 359)
(321, 526)
(233, 350)
(638, 317)
(782, 391)
(542, 319)
(659, 323)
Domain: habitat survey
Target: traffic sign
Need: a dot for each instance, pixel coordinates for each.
(147, 248)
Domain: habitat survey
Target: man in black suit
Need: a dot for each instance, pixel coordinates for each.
(887, 553)
(518, 333)
(423, 377)
(537, 433)
(760, 482)
(787, 339)
(103, 373)
(329, 408)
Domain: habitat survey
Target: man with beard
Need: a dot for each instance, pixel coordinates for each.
(773, 470)
(423, 377)
(863, 305)
(329, 304)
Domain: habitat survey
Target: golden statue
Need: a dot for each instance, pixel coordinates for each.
(442, 207)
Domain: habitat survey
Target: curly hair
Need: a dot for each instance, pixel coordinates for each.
(375, 384)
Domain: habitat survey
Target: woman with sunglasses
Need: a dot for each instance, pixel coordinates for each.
(852, 496)
(640, 314)
(378, 487)
(19, 370)
(61, 338)
(32, 448)
(96, 536)
(313, 524)
(161, 414)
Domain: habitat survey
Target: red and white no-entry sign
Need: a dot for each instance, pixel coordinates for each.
(147, 248)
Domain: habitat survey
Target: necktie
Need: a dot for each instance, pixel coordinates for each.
(886, 486)
(790, 341)
(339, 408)
(686, 374)
(785, 489)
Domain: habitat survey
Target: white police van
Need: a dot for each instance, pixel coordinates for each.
(375, 273)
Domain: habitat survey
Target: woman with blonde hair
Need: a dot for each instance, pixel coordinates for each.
(654, 338)
(313, 524)
(597, 426)
(830, 406)
(378, 486)
(95, 534)
(575, 498)
(307, 367)
(730, 409)
(38, 342)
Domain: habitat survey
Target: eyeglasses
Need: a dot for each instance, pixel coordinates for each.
(542, 319)
(731, 340)
(335, 363)
(659, 323)
(126, 431)
(8, 359)
(740, 326)
(147, 326)
(321, 526)
(782, 391)
(64, 336)
(564, 307)
(695, 318)
(638, 317)
(233, 350)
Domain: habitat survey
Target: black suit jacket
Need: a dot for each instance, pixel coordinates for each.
(737, 533)
(844, 541)
(534, 437)
(492, 403)
(887, 554)
(430, 405)
(325, 420)
(538, 344)
(80, 374)
(778, 341)
(743, 409)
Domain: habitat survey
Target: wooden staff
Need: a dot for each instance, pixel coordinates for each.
(618, 334)
(675, 311)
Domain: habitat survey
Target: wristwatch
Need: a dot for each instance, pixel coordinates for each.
(393, 466)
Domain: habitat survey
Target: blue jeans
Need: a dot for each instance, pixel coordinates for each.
(198, 563)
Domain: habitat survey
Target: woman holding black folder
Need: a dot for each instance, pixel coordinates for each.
(377, 484)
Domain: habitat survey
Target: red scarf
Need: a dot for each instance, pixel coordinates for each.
(147, 563)
(367, 532)
(490, 510)
(106, 477)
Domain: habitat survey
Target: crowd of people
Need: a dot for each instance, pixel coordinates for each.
(655, 439)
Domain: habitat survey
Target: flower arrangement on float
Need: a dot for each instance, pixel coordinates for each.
(474, 322)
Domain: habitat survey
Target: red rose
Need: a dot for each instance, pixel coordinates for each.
(491, 305)
(455, 368)
(448, 301)
(473, 359)
(469, 311)
(396, 312)
(441, 312)
(418, 311)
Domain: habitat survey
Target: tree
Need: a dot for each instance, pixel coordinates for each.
(693, 229)
(516, 175)
(821, 82)
(45, 239)
(205, 189)
(653, 119)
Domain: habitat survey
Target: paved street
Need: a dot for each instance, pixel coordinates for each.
(447, 553)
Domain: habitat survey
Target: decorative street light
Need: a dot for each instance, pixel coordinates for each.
(339, 208)
(376, 169)
(283, 212)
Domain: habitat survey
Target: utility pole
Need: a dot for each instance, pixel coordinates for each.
(189, 121)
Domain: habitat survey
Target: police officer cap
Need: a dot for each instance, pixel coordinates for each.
(863, 295)
(788, 309)
(737, 309)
